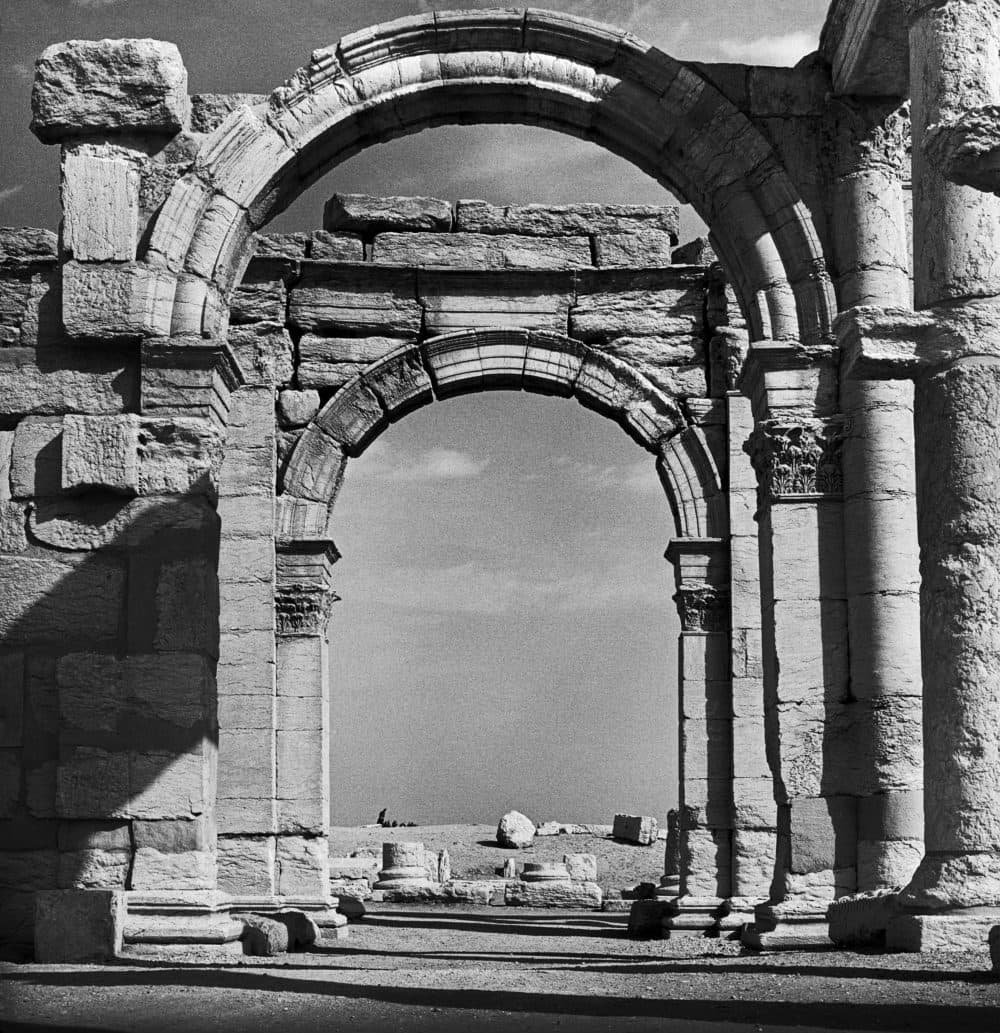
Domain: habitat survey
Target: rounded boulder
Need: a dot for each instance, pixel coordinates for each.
(516, 830)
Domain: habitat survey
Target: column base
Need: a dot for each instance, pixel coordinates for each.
(701, 917)
(798, 925)
(960, 929)
(191, 922)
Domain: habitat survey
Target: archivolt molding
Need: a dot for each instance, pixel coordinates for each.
(479, 360)
(534, 67)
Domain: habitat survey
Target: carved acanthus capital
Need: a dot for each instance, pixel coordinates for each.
(797, 458)
(869, 135)
(703, 608)
(303, 609)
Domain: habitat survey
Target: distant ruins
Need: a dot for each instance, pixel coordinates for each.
(182, 394)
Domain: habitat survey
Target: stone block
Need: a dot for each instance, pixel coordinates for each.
(263, 937)
(242, 816)
(584, 896)
(346, 299)
(117, 301)
(48, 600)
(264, 352)
(706, 862)
(246, 865)
(210, 110)
(823, 833)
(481, 251)
(75, 927)
(258, 300)
(565, 220)
(458, 300)
(955, 932)
(994, 939)
(352, 418)
(36, 457)
(246, 662)
(155, 870)
(170, 784)
(302, 868)
(246, 712)
(635, 829)
(13, 526)
(187, 606)
(246, 764)
(753, 862)
(84, 87)
(581, 867)
(92, 783)
(367, 215)
(400, 382)
(297, 408)
(12, 689)
(100, 205)
(11, 781)
(336, 247)
(178, 456)
(58, 379)
(362, 351)
(100, 452)
(95, 869)
(26, 243)
(301, 759)
(647, 249)
(614, 304)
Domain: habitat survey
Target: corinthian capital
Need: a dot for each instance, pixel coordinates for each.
(797, 458)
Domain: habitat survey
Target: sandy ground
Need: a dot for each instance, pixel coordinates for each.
(492, 969)
(475, 853)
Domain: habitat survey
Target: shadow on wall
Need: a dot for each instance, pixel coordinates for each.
(108, 646)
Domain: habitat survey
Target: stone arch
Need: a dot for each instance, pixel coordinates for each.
(466, 361)
(535, 67)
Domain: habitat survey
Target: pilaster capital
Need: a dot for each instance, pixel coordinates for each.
(703, 608)
(900, 344)
(303, 594)
(797, 459)
(303, 609)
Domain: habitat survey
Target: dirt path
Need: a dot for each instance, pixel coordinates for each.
(490, 969)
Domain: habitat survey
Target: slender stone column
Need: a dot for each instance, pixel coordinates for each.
(795, 449)
(706, 801)
(880, 521)
(303, 600)
(951, 348)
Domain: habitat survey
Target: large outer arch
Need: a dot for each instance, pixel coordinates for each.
(533, 67)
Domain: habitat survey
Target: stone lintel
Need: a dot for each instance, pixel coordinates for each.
(899, 344)
(967, 150)
(782, 377)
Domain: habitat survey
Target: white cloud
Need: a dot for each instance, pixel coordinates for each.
(97, 3)
(475, 590)
(436, 464)
(783, 50)
(639, 477)
(6, 193)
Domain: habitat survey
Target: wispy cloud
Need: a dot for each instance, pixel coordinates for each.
(23, 70)
(639, 477)
(784, 50)
(436, 464)
(477, 590)
(97, 3)
(6, 193)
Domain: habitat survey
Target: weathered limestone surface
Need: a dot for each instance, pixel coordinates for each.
(515, 830)
(362, 213)
(93, 86)
(78, 926)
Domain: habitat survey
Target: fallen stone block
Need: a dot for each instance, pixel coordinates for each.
(458, 891)
(303, 932)
(78, 926)
(581, 867)
(862, 920)
(515, 830)
(263, 937)
(635, 829)
(554, 893)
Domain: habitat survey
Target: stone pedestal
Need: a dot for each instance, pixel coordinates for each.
(76, 927)
(403, 867)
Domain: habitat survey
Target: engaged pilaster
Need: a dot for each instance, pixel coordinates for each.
(706, 799)
(796, 451)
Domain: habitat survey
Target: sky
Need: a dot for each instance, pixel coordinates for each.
(506, 636)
